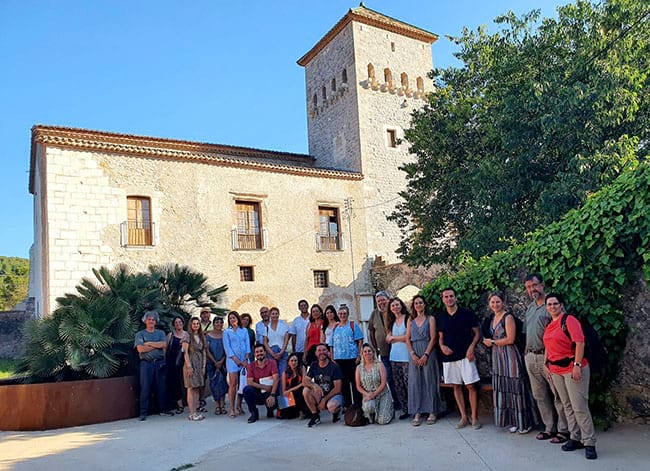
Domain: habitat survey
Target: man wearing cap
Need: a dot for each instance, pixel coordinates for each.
(206, 320)
(151, 344)
(377, 336)
(262, 327)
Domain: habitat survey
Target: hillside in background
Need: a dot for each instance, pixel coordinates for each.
(14, 279)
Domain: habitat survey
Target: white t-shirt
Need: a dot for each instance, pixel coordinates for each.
(299, 329)
(276, 337)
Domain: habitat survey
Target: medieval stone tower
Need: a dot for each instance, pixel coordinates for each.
(363, 80)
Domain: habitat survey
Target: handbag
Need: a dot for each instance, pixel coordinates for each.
(354, 417)
(243, 381)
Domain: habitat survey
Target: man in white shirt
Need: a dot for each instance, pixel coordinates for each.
(298, 329)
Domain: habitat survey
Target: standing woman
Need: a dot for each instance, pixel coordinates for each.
(216, 366)
(332, 321)
(194, 368)
(399, 351)
(346, 351)
(512, 397)
(313, 334)
(424, 376)
(570, 373)
(377, 403)
(236, 343)
(276, 339)
(246, 323)
(175, 360)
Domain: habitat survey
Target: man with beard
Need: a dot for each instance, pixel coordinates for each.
(298, 330)
(261, 328)
(262, 384)
(377, 336)
(322, 386)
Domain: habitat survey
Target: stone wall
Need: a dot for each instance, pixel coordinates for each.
(11, 329)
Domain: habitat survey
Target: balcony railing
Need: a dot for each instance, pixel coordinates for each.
(329, 243)
(249, 241)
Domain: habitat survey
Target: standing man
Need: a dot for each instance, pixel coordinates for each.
(151, 344)
(298, 330)
(262, 327)
(206, 320)
(548, 401)
(458, 336)
(322, 386)
(262, 384)
(377, 335)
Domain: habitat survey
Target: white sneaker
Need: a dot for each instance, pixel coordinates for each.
(512, 429)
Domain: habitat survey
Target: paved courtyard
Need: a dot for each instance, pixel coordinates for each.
(163, 443)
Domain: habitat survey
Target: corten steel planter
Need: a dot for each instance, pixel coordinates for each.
(48, 406)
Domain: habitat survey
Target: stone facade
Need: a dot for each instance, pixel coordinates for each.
(81, 180)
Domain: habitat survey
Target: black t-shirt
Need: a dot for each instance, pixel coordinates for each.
(457, 332)
(325, 377)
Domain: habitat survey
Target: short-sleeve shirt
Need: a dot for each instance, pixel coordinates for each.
(299, 329)
(325, 377)
(535, 321)
(255, 372)
(345, 341)
(276, 337)
(145, 336)
(377, 321)
(399, 352)
(457, 331)
(260, 331)
(559, 346)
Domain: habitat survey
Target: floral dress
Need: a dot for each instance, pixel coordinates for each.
(382, 406)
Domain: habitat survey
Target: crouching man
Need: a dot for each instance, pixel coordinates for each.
(262, 384)
(322, 386)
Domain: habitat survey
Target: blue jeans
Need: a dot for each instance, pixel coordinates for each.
(153, 373)
(282, 363)
(385, 360)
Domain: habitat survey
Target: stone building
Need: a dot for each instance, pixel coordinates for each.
(273, 226)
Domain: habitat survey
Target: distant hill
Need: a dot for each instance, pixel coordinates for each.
(14, 279)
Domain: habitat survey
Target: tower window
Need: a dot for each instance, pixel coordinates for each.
(371, 72)
(405, 80)
(321, 279)
(324, 93)
(391, 138)
(420, 84)
(392, 46)
(333, 84)
(315, 101)
(344, 76)
(246, 274)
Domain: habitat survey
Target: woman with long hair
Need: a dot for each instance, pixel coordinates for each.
(216, 366)
(332, 321)
(246, 323)
(194, 349)
(292, 388)
(564, 343)
(175, 359)
(370, 378)
(346, 352)
(512, 398)
(276, 339)
(399, 352)
(424, 376)
(313, 333)
(236, 343)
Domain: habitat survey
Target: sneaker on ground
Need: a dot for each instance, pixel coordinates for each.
(315, 420)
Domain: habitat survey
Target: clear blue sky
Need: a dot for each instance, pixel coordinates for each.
(212, 71)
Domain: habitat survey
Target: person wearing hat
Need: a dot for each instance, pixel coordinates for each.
(151, 344)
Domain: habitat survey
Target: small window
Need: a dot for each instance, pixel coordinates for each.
(333, 84)
(420, 84)
(246, 274)
(249, 225)
(324, 93)
(344, 76)
(391, 138)
(371, 72)
(392, 47)
(321, 279)
(315, 101)
(139, 220)
(388, 77)
(405, 80)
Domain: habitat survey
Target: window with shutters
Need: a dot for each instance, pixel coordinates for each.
(249, 225)
(329, 237)
(139, 221)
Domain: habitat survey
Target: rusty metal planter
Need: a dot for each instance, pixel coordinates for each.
(47, 406)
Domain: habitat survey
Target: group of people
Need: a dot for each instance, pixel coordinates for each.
(331, 369)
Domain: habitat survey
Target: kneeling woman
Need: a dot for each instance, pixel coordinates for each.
(377, 403)
(570, 372)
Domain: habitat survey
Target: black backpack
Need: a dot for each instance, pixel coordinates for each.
(595, 352)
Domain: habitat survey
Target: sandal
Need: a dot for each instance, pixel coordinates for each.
(431, 419)
(417, 420)
(196, 417)
(544, 435)
(201, 409)
(179, 410)
(217, 410)
(560, 437)
(232, 414)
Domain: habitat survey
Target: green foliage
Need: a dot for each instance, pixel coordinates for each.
(539, 115)
(14, 281)
(7, 367)
(90, 334)
(588, 256)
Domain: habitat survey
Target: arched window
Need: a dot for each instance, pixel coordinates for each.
(333, 84)
(344, 76)
(388, 76)
(420, 84)
(324, 93)
(405, 80)
(315, 101)
(371, 72)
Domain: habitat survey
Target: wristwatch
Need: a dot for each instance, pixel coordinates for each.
(578, 364)
(493, 343)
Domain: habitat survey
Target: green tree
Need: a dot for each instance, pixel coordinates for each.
(540, 115)
(14, 281)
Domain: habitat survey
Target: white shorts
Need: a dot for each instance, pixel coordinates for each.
(460, 372)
